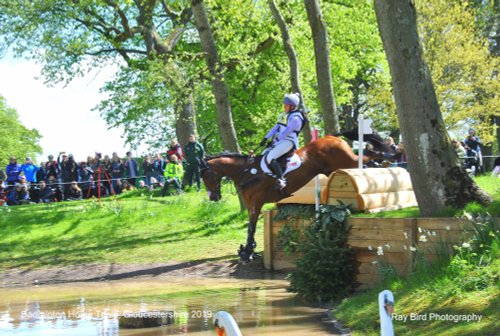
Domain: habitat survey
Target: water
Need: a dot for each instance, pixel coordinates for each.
(261, 307)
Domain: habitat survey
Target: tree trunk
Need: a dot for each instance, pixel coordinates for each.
(497, 121)
(323, 73)
(435, 172)
(186, 120)
(495, 50)
(216, 69)
(292, 61)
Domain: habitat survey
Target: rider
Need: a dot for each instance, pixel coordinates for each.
(284, 135)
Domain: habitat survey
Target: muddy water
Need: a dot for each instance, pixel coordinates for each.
(261, 307)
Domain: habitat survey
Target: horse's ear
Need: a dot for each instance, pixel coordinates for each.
(203, 164)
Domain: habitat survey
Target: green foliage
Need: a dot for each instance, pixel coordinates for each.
(464, 73)
(288, 239)
(325, 272)
(290, 211)
(15, 139)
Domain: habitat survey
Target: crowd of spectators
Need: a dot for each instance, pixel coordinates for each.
(66, 179)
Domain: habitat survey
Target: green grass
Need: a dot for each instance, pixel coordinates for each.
(464, 283)
(138, 228)
(427, 292)
(488, 183)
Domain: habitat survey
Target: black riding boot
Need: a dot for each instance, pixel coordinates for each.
(276, 169)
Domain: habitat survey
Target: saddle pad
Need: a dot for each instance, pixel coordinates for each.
(292, 163)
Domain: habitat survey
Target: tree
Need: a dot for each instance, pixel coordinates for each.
(437, 178)
(463, 70)
(70, 36)
(216, 69)
(15, 139)
(323, 72)
(292, 60)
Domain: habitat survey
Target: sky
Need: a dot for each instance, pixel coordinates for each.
(62, 115)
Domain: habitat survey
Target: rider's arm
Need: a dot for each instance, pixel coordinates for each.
(271, 132)
(292, 126)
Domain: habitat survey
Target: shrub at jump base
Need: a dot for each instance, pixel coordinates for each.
(325, 272)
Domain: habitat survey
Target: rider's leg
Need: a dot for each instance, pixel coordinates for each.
(279, 149)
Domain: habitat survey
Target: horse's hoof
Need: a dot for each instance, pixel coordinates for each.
(245, 255)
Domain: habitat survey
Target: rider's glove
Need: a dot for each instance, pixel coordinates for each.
(263, 142)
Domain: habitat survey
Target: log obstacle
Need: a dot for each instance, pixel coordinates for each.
(376, 241)
(306, 194)
(368, 190)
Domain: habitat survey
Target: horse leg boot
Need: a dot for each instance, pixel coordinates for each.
(246, 252)
(276, 168)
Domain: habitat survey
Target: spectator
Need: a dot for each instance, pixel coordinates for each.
(3, 193)
(159, 168)
(12, 170)
(496, 167)
(176, 149)
(18, 196)
(45, 193)
(194, 153)
(131, 168)
(106, 164)
(52, 168)
(472, 141)
(29, 170)
(41, 174)
(402, 159)
(126, 186)
(390, 142)
(86, 178)
(148, 169)
(56, 187)
(98, 168)
(74, 192)
(2, 175)
(473, 150)
(116, 171)
(23, 181)
(173, 175)
(142, 185)
(117, 187)
(459, 149)
(68, 169)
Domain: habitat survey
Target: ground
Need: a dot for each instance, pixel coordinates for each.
(106, 272)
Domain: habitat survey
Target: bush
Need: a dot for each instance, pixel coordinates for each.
(325, 272)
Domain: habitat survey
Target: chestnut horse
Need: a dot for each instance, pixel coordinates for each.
(319, 157)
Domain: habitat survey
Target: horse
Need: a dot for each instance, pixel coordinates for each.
(322, 156)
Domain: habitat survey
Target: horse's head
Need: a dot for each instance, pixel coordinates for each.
(212, 181)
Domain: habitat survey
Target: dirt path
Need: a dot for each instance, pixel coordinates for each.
(105, 272)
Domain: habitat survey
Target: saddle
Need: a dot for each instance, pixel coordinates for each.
(288, 162)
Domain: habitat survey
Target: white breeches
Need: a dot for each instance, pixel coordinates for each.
(280, 148)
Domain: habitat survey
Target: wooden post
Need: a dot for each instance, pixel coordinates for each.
(268, 239)
(410, 233)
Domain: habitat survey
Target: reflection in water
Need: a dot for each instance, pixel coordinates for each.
(259, 307)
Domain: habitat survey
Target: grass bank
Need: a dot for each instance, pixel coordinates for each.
(138, 228)
(429, 292)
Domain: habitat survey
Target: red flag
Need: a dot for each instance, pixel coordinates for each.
(314, 134)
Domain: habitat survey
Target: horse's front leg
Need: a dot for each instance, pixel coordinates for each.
(246, 252)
